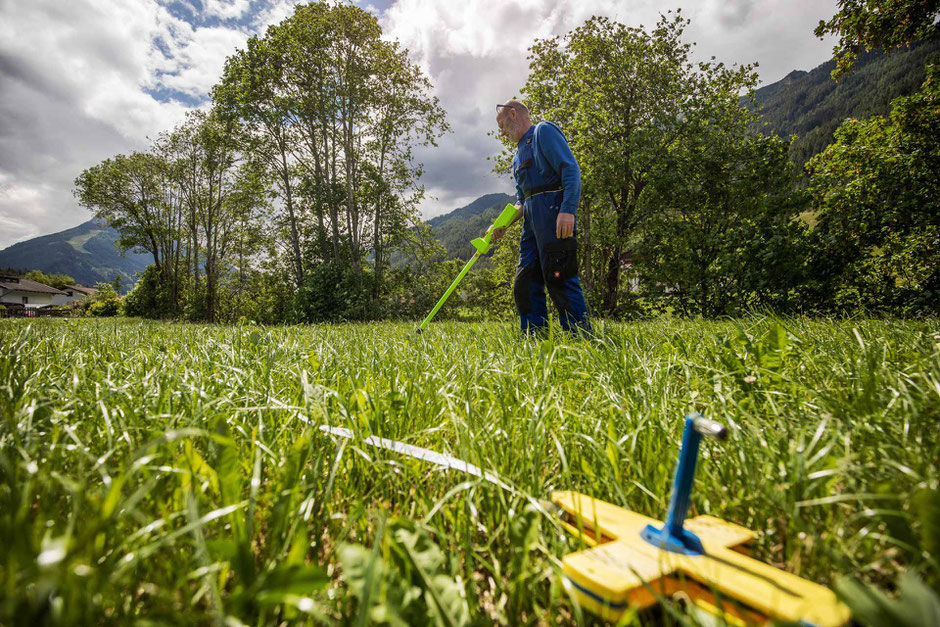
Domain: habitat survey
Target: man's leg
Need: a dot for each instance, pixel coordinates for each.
(528, 288)
(559, 261)
(564, 287)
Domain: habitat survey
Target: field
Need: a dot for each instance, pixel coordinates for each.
(175, 474)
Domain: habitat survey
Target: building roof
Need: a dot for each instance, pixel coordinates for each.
(81, 289)
(25, 285)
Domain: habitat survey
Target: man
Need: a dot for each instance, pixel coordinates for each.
(548, 188)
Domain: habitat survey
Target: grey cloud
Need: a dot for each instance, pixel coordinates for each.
(732, 13)
(15, 69)
(44, 144)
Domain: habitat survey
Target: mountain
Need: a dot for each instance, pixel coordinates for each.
(811, 105)
(455, 229)
(87, 253)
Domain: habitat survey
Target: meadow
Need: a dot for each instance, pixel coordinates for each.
(168, 473)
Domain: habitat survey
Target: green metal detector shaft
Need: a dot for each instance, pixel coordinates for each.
(482, 245)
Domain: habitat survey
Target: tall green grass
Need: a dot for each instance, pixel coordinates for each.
(176, 474)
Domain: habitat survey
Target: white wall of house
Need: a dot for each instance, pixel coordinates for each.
(33, 299)
(68, 297)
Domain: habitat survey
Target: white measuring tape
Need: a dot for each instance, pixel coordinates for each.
(424, 454)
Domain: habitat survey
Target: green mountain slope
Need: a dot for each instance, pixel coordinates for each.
(811, 105)
(455, 229)
(86, 252)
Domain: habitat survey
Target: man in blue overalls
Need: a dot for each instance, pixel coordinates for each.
(548, 188)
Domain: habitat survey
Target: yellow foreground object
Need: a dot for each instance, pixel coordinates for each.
(623, 570)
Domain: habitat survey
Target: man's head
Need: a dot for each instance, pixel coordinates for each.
(513, 120)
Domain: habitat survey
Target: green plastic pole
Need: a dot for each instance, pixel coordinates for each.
(483, 246)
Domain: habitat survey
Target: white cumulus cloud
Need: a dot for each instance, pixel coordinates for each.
(82, 80)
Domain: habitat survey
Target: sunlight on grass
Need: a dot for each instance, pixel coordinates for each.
(176, 473)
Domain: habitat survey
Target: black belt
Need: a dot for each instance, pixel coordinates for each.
(541, 190)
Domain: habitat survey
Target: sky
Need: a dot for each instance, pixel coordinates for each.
(83, 80)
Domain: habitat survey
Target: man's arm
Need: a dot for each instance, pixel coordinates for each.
(554, 149)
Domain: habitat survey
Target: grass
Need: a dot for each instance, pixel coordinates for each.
(175, 474)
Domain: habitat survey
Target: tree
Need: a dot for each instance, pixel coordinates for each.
(219, 189)
(723, 233)
(864, 25)
(877, 191)
(57, 281)
(251, 91)
(335, 112)
(623, 96)
(135, 195)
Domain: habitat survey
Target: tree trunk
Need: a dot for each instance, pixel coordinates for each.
(584, 234)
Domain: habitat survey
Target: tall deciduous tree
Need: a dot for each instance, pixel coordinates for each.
(216, 183)
(251, 91)
(864, 25)
(337, 112)
(135, 195)
(877, 191)
(621, 95)
(723, 233)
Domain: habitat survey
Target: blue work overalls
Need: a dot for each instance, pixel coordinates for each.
(547, 181)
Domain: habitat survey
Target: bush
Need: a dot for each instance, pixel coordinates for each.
(148, 298)
(332, 293)
(105, 308)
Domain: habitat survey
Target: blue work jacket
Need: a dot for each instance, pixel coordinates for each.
(543, 160)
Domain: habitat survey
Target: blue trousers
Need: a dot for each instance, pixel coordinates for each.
(546, 262)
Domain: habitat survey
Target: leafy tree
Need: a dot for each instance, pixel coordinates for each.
(57, 281)
(877, 190)
(148, 298)
(869, 24)
(723, 234)
(621, 95)
(135, 195)
(335, 112)
(106, 302)
(251, 91)
(219, 189)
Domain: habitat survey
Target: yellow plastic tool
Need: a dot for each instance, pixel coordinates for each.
(633, 564)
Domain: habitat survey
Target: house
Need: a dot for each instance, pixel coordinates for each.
(76, 292)
(29, 294)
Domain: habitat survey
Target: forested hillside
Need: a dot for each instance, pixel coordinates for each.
(811, 105)
(455, 229)
(87, 253)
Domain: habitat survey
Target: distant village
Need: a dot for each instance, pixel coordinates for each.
(22, 297)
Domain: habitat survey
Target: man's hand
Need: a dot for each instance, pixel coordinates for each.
(564, 227)
(498, 233)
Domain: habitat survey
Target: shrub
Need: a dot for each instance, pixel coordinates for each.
(105, 308)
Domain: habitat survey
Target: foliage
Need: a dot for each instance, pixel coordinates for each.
(334, 113)
(722, 236)
(617, 92)
(811, 105)
(334, 293)
(635, 109)
(57, 281)
(404, 580)
(105, 308)
(105, 303)
(160, 472)
(869, 24)
(148, 298)
(877, 190)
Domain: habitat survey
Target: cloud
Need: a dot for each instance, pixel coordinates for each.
(733, 13)
(83, 80)
(475, 53)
